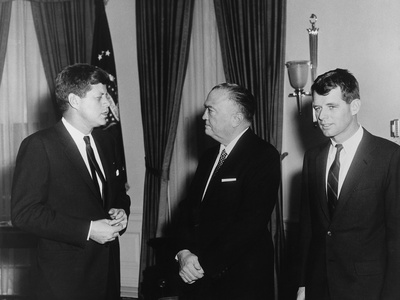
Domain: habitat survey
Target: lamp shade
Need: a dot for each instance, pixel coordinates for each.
(298, 73)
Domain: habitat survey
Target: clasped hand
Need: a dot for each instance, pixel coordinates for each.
(105, 230)
(190, 269)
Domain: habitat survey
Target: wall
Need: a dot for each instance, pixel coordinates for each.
(121, 18)
(362, 36)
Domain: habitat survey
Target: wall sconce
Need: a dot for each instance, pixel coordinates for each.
(298, 76)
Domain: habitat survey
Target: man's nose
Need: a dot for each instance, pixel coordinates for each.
(321, 114)
(205, 115)
(106, 101)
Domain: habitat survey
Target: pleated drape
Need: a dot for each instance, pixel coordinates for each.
(5, 17)
(65, 33)
(252, 35)
(163, 40)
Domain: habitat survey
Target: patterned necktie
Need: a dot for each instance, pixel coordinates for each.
(220, 161)
(94, 167)
(333, 181)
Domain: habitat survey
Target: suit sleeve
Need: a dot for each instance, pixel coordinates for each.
(392, 210)
(30, 210)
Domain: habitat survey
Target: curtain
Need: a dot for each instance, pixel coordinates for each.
(163, 36)
(103, 57)
(25, 104)
(252, 35)
(5, 180)
(5, 15)
(204, 71)
(65, 32)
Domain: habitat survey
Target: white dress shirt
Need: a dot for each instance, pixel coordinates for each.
(346, 156)
(77, 136)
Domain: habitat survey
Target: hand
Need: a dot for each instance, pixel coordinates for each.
(118, 218)
(301, 293)
(102, 231)
(190, 269)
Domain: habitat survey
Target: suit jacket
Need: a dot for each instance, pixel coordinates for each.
(356, 254)
(53, 197)
(228, 229)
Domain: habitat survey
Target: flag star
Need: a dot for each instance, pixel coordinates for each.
(108, 52)
(99, 57)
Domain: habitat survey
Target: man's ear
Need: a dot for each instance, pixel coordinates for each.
(237, 119)
(74, 100)
(355, 106)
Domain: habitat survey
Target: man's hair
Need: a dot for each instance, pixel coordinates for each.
(77, 79)
(241, 96)
(337, 78)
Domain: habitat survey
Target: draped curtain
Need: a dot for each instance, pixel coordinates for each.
(65, 33)
(5, 178)
(163, 36)
(25, 107)
(204, 71)
(252, 35)
(5, 15)
(25, 104)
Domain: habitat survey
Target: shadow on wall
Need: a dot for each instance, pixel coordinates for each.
(308, 135)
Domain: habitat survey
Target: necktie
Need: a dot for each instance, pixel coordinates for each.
(220, 161)
(333, 181)
(94, 166)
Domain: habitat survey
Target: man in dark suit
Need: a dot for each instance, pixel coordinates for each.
(76, 212)
(350, 222)
(226, 248)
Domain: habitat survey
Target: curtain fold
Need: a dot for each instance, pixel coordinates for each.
(252, 35)
(5, 176)
(25, 109)
(5, 17)
(204, 71)
(65, 33)
(163, 40)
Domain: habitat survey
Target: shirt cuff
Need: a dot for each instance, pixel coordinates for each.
(90, 229)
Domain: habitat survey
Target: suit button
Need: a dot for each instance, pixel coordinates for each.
(329, 233)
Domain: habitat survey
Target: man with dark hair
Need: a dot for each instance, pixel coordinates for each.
(350, 204)
(226, 250)
(67, 191)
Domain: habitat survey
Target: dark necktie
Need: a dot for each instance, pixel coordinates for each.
(220, 161)
(94, 167)
(333, 181)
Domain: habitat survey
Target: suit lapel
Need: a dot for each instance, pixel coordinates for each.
(357, 170)
(206, 172)
(233, 156)
(74, 156)
(321, 162)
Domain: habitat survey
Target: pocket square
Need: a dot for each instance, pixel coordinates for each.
(228, 179)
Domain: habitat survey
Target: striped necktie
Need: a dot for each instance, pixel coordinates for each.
(333, 181)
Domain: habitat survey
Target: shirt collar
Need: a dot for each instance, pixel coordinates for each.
(75, 133)
(353, 142)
